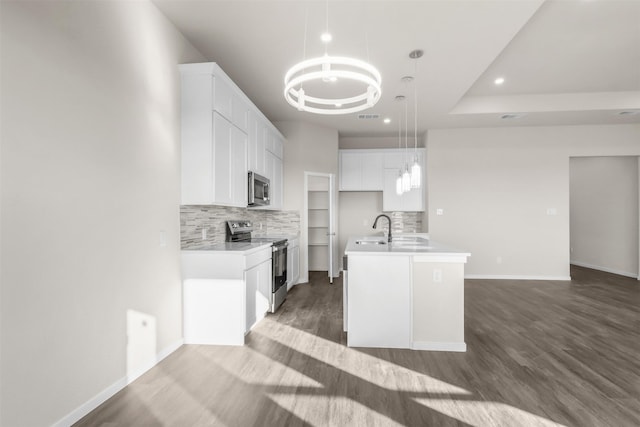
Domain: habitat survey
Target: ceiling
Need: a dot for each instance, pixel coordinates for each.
(565, 62)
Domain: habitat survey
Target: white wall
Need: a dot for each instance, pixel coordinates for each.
(496, 185)
(90, 176)
(310, 148)
(604, 213)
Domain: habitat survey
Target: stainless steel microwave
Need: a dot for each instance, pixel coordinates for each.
(259, 194)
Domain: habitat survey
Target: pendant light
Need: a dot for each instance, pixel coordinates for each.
(416, 170)
(406, 176)
(399, 190)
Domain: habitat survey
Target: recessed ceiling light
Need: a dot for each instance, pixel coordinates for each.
(499, 81)
(387, 121)
(326, 37)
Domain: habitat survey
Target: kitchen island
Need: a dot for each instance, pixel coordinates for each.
(407, 293)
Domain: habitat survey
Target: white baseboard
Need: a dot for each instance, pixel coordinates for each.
(605, 269)
(97, 400)
(439, 346)
(514, 277)
(161, 355)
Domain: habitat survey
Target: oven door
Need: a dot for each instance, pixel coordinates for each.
(279, 259)
(279, 281)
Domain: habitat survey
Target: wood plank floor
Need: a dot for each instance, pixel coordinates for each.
(540, 353)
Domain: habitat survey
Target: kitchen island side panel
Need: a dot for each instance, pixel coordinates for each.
(438, 306)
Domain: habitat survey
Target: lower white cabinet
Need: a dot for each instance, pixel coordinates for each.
(293, 262)
(379, 301)
(225, 293)
(258, 280)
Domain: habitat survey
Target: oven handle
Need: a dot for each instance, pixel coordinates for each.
(279, 247)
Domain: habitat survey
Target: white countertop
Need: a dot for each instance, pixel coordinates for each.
(241, 248)
(405, 244)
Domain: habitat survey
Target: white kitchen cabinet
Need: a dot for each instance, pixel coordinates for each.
(379, 301)
(258, 281)
(350, 171)
(256, 144)
(274, 144)
(223, 137)
(276, 183)
(229, 104)
(273, 171)
(293, 262)
(225, 293)
(229, 163)
(361, 170)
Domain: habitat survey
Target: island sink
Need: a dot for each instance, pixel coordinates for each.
(370, 242)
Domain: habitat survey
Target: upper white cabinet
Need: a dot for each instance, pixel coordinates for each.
(377, 170)
(229, 103)
(229, 163)
(257, 133)
(223, 137)
(361, 170)
(273, 167)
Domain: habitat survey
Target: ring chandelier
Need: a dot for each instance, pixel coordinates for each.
(330, 69)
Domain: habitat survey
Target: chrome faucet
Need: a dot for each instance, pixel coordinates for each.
(375, 223)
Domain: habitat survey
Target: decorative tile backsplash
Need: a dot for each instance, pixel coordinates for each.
(406, 222)
(193, 219)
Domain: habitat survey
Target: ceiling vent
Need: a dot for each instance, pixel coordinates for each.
(368, 116)
(512, 116)
(628, 112)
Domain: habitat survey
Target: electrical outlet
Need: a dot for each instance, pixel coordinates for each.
(204, 234)
(439, 211)
(552, 211)
(163, 238)
(437, 275)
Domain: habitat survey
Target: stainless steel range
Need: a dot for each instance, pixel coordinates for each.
(240, 231)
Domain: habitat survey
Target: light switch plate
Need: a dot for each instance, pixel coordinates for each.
(439, 211)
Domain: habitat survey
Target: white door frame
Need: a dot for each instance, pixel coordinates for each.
(333, 227)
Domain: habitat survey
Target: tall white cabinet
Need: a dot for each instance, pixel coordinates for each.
(223, 137)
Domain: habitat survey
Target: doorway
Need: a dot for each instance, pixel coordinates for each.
(319, 228)
(604, 213)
